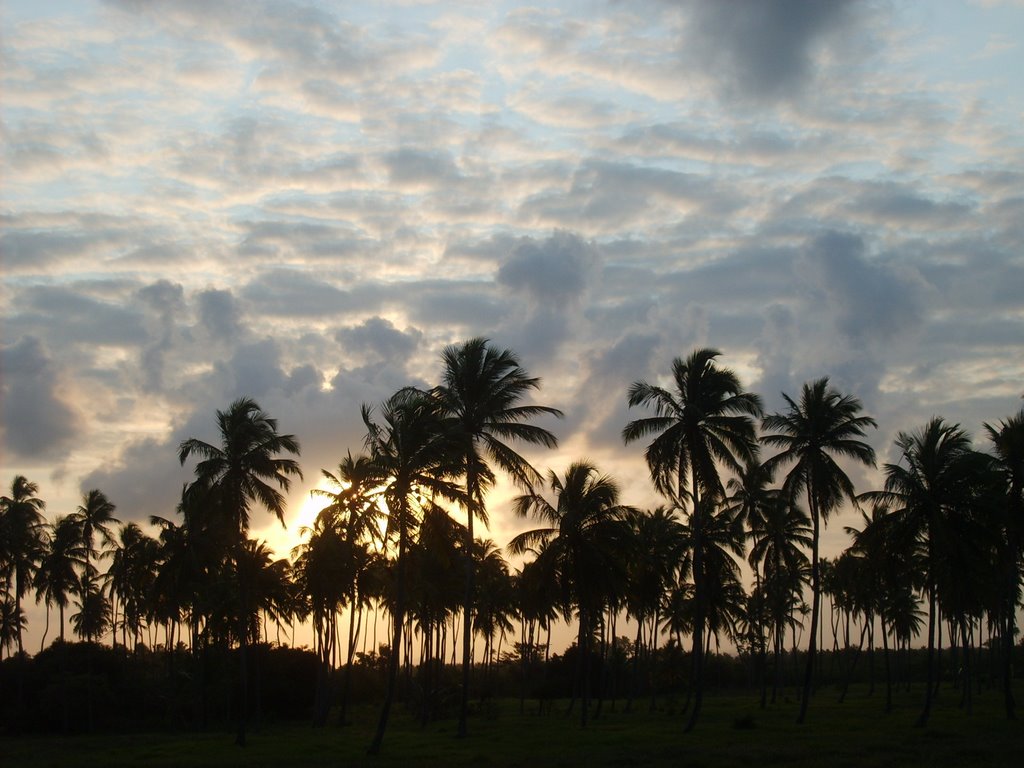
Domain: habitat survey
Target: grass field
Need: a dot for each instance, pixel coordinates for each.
(733, 732)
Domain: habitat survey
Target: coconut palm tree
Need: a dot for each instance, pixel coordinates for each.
(63, 557)
(1007, 437)
(414, 462)
(130, 577)
(930, 490)
(354, 517)
(21, 530)
(95, 515)
(657, 550)
(482, 393)
(706, 420)
(811, 434)
(748, 501)
(244, 471)
(581, 539)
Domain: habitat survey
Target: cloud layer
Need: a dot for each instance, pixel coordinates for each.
(304, 203)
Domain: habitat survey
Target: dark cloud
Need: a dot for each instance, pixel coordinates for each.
(293, 293)
(378, 338)
(869, 300)
(764, 50)
(70, 314)
(416, 166)
(219, 314)
(552, 271)
(38, 419)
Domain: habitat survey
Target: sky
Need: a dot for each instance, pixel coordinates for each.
(305, 202)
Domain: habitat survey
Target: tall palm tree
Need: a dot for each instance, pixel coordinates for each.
(414, 462)
(237, 475)
(482, 393)
(748, 502)
(95, 515)
(64, 556)
(582, 535)
(811, 434)
(704, 421)
(130, 577)
(354, 516)
(931, 490)
(21, 528)
(656, 552)
(1007, 437)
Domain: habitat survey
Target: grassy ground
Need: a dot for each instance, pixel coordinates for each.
(733, 732)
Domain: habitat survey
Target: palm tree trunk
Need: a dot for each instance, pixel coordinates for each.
(467, 612)
(396, 641)
(698, 600)
(342, 717)
(815, 604)
(922, 720)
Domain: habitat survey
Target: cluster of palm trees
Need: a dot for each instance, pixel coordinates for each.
(943, 536)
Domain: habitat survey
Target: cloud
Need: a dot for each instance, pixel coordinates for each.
(378, 338)
(764, 50)
(870, 301)
(550, 272)
(39, 418)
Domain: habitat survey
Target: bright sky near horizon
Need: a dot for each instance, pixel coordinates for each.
(304, 202)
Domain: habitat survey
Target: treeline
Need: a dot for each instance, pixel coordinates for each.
(937, 555)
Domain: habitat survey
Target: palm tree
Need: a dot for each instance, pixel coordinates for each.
(64, 555)
(749, 501)
(481, 395)
(240, 473)
(414, 462)
(657, 549)
(93, 616)
(705, 421)
(1007, 438)
(583, 535)
(825, 424)
(130, 578)
(21, 526)
(94, 515)
(354, 517)
(930, 490)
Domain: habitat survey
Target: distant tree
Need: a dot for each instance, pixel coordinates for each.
(481, 397)
(244, 471)
(21, 539)
(414, 462)
(704, 421)
(823, 425)
(930, 490)
(64, 556)
(1007, 438)
(582, 535)
(95, 515)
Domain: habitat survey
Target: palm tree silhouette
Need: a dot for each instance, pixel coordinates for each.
(414, 461)
(94, 515)
(810, 434)
(581, 540)
(235, 476)
(1007, 437)
(930, 490)
(481, 395)
(130, 577)
(706, 420)
(354, 517)
(21, 528)
(64, 555)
